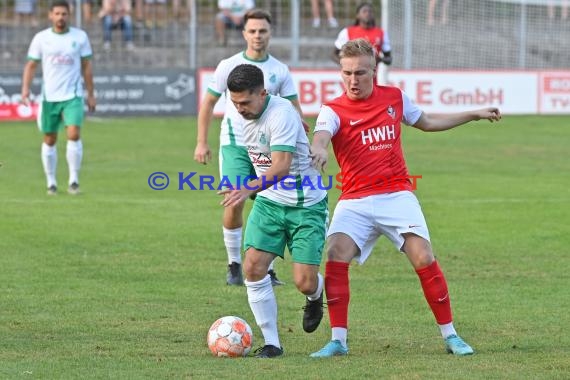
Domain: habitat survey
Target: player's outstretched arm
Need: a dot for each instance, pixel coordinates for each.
(443, 122)
(202, 152)
(319, 150)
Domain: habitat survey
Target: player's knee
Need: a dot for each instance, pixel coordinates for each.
(306, 283)
(333, 253)
(50, 139)
(232, 219)
(254, 270)
(336, 252)
(73, 133)
(418, 250)
(341, 247)
(421, 259)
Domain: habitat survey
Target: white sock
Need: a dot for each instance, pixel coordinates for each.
(264, 307)
(232, 240)
(315, 296)
(74, 155)
(447, 330)
(49, 162)
(340, 333)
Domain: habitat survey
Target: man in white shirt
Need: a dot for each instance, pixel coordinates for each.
(65, 54)
(290, 208)
(234, 162)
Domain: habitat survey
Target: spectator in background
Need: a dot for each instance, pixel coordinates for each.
(230, 15)
(154, 13)
(177, 9)
(116, 14)
(365, 27)
(431, 12)
(139, 13)
(87, 10)
(552, 10)
(24, 12)
(151, 13)
(317, 14)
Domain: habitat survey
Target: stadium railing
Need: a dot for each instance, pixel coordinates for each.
(485, 34)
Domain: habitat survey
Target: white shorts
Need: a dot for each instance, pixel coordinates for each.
(366, 219)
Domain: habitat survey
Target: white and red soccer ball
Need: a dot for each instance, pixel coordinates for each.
(230, 337)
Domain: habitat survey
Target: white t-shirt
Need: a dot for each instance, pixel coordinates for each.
(279, 128)
(278, 81)
(236, 7)
(61, 54)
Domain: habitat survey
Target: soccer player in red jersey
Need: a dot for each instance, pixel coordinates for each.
(364, 126)
(365, 27)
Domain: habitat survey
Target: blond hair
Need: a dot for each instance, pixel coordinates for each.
(357, 48)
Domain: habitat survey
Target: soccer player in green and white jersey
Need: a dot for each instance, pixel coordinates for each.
(65, 54)
(290, 208)
(233, 159)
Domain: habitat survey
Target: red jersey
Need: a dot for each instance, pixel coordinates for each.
(367, 141)
(373, 35)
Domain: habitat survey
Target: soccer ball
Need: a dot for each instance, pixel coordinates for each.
(230, 337)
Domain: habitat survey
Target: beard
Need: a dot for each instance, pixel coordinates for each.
(248, 116)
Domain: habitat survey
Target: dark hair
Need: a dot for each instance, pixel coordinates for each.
(258, 14)
(362, 5)
(59, 3)
(359, 7)
(245, 78)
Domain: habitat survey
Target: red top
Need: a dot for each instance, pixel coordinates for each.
(367, 144)
(373, 35)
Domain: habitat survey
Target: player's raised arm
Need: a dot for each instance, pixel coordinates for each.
(202, 153)
(442, 122)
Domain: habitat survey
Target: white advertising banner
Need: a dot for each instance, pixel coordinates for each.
(514, 92)
(441, 92)
(554, 90)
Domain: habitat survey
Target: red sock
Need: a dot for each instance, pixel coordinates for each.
(338, 292)
(435, 290)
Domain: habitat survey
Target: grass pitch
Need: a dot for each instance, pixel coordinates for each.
(122, 282)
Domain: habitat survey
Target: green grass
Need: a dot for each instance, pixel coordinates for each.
(122, 282)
